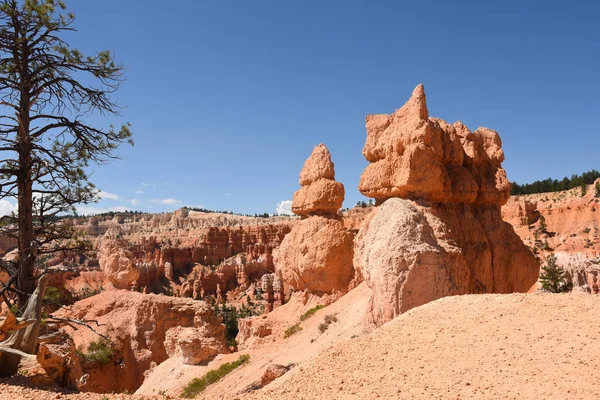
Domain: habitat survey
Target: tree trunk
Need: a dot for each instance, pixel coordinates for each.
(26, 257)
(24, 340)
(25, 185)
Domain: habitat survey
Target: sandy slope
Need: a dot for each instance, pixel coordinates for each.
(172, 375)
(518, 346)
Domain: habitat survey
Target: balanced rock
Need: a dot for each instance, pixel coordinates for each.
(414, 156)
(317, 254)
(439, 231)
(320, 194)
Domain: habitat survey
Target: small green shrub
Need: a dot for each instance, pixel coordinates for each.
(310, 313)
(54, 296)
(99, 352)
(198, 385)
(292, 330)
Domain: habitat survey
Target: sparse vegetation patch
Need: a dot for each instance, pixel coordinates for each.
(310, 313)
(198, 385)
(329, 319)
(99, 352)
(292, 330)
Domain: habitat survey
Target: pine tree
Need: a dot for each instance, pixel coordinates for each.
(48, 91)
(553, 277)
(543, 227)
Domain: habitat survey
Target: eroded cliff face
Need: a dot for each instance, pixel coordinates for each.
(566, 224)
(439, 230)
(157, 253)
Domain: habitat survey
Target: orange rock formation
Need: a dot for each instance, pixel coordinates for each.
(317, 254)
(320, 193)
(448, 236)
(414, 156)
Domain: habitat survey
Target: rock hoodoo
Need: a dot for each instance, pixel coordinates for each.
(417, 157)
(317, 254)
(320, 193)
(440, 232)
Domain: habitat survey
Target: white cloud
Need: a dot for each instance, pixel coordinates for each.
(139, 191)
(6, 207)
(106, 195)
(194, 206)
(145, 184)
(168, 202)
(89, 210)
(284, 207)
(135, 202)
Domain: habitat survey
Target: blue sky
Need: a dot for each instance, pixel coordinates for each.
(228, 98)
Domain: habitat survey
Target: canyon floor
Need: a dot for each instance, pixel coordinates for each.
(516, 346)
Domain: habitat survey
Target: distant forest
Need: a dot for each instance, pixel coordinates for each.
(554, 185)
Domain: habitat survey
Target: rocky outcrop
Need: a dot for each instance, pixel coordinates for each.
(414, 156)
(317, 254)
(118, 264)
(439, 231)
(138, 326)
(320, 193)
(193, 345)
(273, 372)
(583, 270)
(519, 212)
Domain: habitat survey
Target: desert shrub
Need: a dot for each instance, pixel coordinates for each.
(198, 385)
(99, 352)
(292, 330)
(553, 277)
(328, 320)
(543, 227)
(310, 313)
(597, 189)
(55, 296)
(323, 327)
